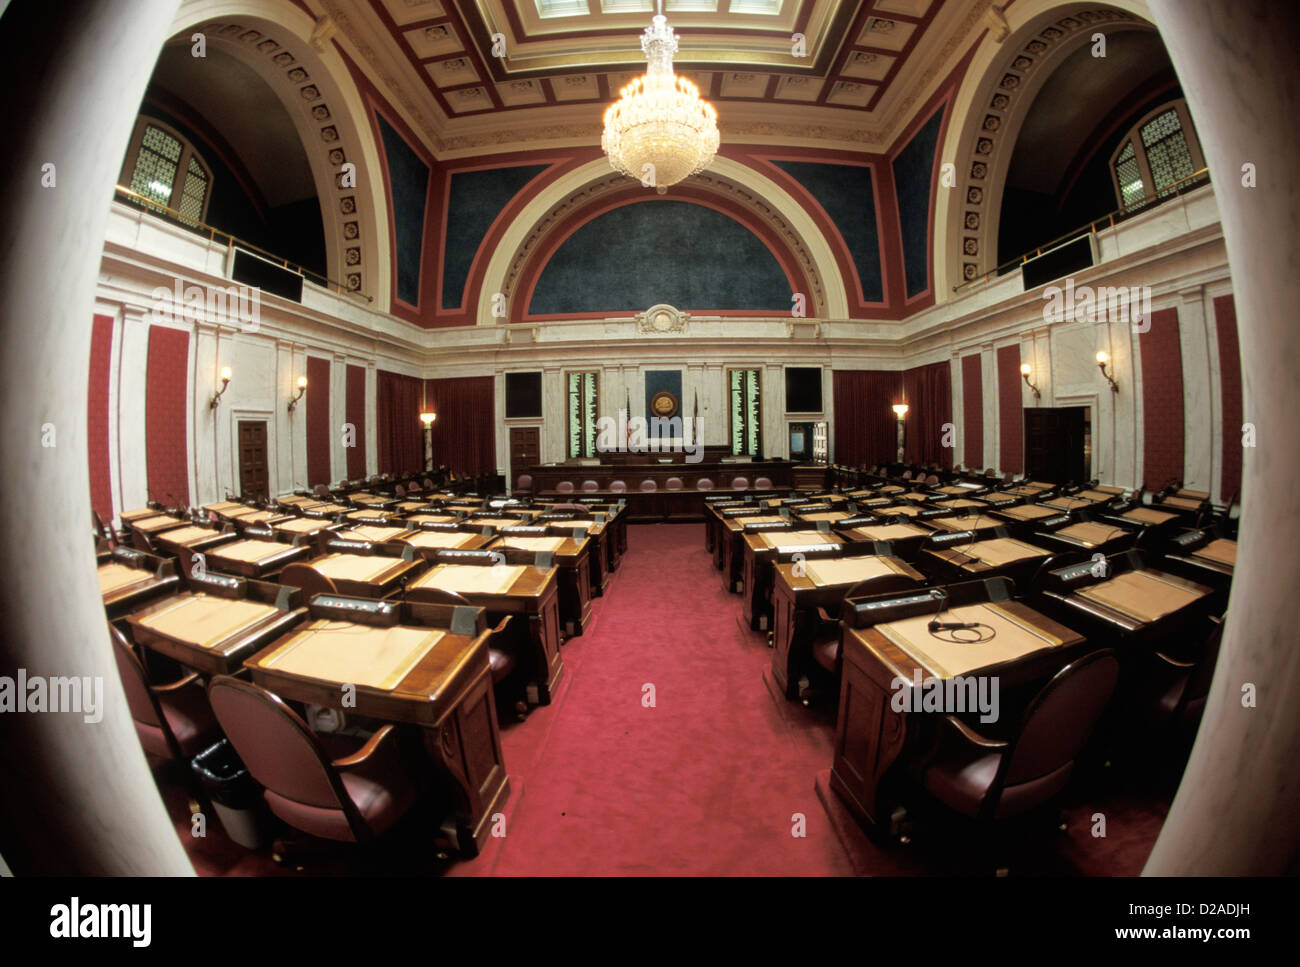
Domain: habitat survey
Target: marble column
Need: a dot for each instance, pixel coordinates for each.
(80, 798)
(1237, 809)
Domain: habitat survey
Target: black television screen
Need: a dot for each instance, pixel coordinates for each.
(523, 395)
(803, 389)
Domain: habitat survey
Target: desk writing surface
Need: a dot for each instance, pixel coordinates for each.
(1013, 638)
(590, 526)
(471, 578)
(1029, 512)
(906, 510)
(250, 552)
(442, 540)
(891, 489)
(976, 522)
(1090, 533)
(916, 497)
(114, 577)
(369, 515)
(1000, 551)
(1097, 495)
(297, 499)
(371, 533)
(890, 532)
(355, 567)
(960, 502)
(189, 535)
(780, 539)
(302, 525)
(364, 498)
(1067, 503)
(261, 516)
(1039, 485)
(150, 524)
(144, 512)
(347, 653)
(499, 522)
(228, 508)
(953, 490)
(325, 508)
(1182, 503)
(1221, 551)
(551, 544)
(412, 505)
(206, 621)
(1145, 515)
(849, 570)
(830, 515)
(418, 519)
(1145, 595)
(739, 523)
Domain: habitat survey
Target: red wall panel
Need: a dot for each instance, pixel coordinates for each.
(355, 413)
(1162, 400)
(166, 387)
(464, 436)
(318, 421)
(398, 401)
(1225, 319)
(866, 431)
(972, 392)
(928, 391)
(101, 354)
(1011, 420)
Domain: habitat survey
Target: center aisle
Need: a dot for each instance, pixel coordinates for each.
(712, 779)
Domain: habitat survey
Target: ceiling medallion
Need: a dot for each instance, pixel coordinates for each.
(660, 130)
(662, 318)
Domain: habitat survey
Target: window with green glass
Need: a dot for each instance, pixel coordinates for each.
(746, 412)
(1158, 155)
(164, 167)
(583, 390)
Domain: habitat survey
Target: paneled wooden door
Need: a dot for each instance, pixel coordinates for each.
(1056, 444)
(525, 450)
(253, 477)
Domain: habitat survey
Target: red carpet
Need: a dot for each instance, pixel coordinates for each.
(714, 779)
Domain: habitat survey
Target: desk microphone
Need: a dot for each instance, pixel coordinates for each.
(937, 625)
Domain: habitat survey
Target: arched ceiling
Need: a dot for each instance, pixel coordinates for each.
(479, 75)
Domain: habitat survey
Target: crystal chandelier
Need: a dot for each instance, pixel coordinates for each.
(660, 131)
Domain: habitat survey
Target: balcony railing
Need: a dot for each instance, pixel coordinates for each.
(1194, 180)
(217, 236)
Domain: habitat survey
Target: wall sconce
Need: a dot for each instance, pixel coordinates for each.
(427, 419)
(1102, 360)
(1025, 370)
(302, 388)
(900, 410)
(225, 383)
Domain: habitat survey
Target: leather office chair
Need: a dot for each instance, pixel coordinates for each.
(618, 487)
(704, 483)
(173, 720)
(524, 485)
(321, 490)
(564, 487)
(673, 483)
(739, 483)
(1177, 700)
(428, 485)
(991, 780)
(907, 475)
(308, 579)
(763, 483)
(350, 799)
(590, 486)
(412, 486)
(648, 485)
(932, 480)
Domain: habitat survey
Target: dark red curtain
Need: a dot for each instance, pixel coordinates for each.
(464, 435)
(319, 437)
(397, 403)
(929, 399)
(865, 428)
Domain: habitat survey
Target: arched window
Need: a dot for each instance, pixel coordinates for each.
(1160, 151)
(164, 167)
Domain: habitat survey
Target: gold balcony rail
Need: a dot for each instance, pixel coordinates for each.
(216, 235)
(1106, 221)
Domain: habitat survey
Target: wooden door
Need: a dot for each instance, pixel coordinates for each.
(525, 450)
(1055, 444)
(253, 477)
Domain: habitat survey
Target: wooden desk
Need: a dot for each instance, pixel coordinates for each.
(125, 588)
(1143, 607)
(448, 693)
(228, 510)
(599, 535)
(157, 523)
(759, 552)
(872, 739)
(987, 558)
(193, 538)
(526, 593)
(427, 544)
(571, 557)
(289, 531)
(254, 559)
(365, 576)
(209, 634)
(799, 589)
